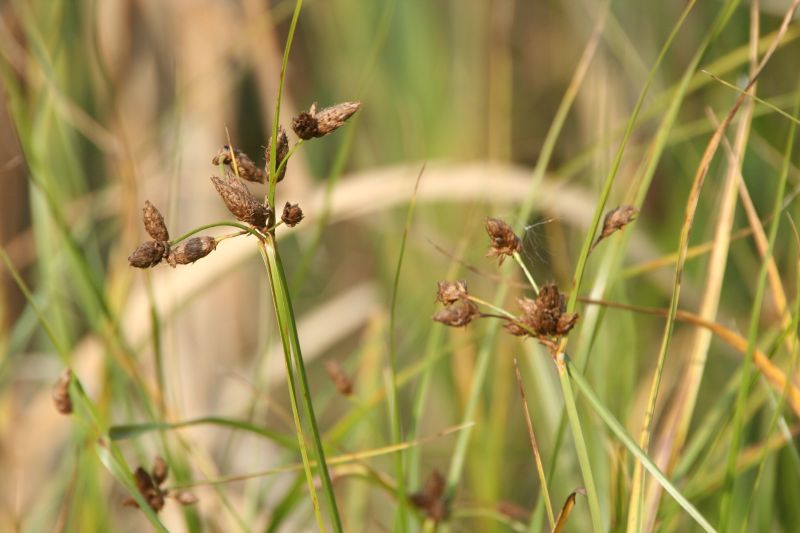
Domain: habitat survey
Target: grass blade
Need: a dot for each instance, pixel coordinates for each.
(616, 428)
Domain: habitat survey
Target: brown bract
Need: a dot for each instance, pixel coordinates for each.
(148, 254)
(160, 470)
(451, 291)
(292, 214)
(247, 169)
(149, 486)
(191, 250)
(615, 220)
(429, 499)
(504, 242)
(281, 151)
(313, 123)
(340, 380)
(240, 202)
(61, 398)
(154, 222)
(149, 489)
(543, 317)
(458, 314)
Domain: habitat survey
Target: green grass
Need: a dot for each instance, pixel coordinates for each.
(546, 115)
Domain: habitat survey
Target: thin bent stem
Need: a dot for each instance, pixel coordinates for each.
(527, 272)
(226, 223)
(535, 448)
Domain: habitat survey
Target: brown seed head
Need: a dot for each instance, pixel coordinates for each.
(223, 156)
(429, 499)
(615, 220)
(458, 314)
(247, 169)
(451, 291)
(160, 470)
(154, 222)
(340, 380)
(191, 250)
(281, 151)
(305, 125)
(543, 317)
(313, 123)
(240, 202)
(331, 118)
(148, 254)
(61, 398)
(504, 242)
(292, 214)
(148, 489)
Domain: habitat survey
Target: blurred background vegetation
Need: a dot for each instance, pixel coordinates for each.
(107, 104)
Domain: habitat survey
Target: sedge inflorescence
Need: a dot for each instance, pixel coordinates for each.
(544, 317)
(239, 168)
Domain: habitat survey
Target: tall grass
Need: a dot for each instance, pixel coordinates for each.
(545, 115)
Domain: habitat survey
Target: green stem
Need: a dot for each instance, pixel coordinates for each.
(283, 308)
(527, 272)
(273, 146)
(225, 223)
(277, 296)
(580, 446)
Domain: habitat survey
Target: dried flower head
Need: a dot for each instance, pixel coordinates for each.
(340, 380)
(154, 222)
(305, 125)
(149, 490)
(430, 499)
(61, 398)
(191, 250)
(292, 214)
(149, 486)
(148, 254)
(543, 317)
(281, 151)
(240, 202)
(504, 241)
(615, 220)
(458, 314)
(313, 123)
(449, 292)
(247, 169)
